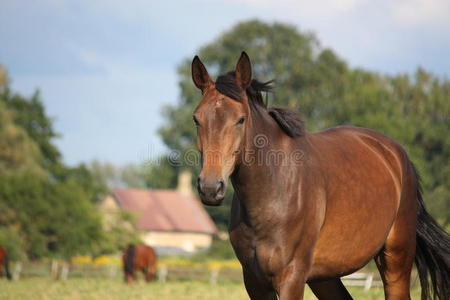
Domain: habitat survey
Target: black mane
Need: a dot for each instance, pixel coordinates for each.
(288, 119)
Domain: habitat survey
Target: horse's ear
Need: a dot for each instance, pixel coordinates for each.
(244, 71)
(199, 74)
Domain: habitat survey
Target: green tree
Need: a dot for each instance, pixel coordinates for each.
(119, 230)
(29, 114)
(17, 150)
(162, 173)
(158, 174)
(106, 173)
(111, 176)
(52, 218)
(82, 175)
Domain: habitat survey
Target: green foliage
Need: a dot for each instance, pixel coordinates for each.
(86, 179)
(162, 174)
(110, 175)
(17, 150)
(51, 218)
(105, 173)
(11, 240)
(133, 176)
(220, 249)
(119, 231)
(29, 114)
(413, 110)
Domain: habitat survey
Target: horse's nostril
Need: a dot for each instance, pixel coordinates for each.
(210, 187)
(220, 186)
(199, 185)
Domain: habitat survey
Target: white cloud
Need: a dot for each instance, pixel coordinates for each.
(415, 13)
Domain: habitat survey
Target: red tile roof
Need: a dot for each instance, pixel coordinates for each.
(165, 210)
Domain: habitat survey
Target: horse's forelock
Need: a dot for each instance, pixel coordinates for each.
(288, 120)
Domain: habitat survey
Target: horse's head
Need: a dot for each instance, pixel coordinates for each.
(221, 126)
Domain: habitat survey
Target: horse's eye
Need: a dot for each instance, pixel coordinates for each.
(197, 124)
(240, 121)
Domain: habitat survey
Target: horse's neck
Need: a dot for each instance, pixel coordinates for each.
(258, 181)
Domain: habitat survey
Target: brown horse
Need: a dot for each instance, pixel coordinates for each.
(139, 258)
(4, 263)
(312, 207)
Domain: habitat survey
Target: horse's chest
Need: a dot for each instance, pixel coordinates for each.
(270, 258)
(262, 258)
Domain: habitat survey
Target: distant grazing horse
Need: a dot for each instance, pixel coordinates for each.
(139, 258)
(4, 263)
(312, 207)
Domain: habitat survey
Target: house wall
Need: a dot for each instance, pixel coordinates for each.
(109, 210)
(187, 241)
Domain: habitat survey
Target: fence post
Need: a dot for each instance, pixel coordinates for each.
(17, 271)
(214, 276)
(368, 283)
(64, 271)
(163, 271)
(112, 271)
(54, 269)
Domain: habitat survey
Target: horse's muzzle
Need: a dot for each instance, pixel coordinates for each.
(211, 190)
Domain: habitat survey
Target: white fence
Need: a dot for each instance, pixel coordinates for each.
(365, 280)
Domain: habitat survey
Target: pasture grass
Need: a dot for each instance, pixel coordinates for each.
(99, 288)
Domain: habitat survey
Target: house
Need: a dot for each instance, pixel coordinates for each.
(172, 221)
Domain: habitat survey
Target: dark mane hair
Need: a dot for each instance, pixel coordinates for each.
(288, 119)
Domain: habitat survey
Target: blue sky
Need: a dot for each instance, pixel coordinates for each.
(105, 68)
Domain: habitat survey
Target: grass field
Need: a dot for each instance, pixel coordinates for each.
(90, 288)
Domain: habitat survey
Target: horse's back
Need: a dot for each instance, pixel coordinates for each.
(357, 150)
(146, 255)
(364, 172)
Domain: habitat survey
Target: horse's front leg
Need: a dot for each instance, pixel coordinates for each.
(290, 282)
(258, 289)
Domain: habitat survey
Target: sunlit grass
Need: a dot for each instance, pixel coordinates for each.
(87, 288)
